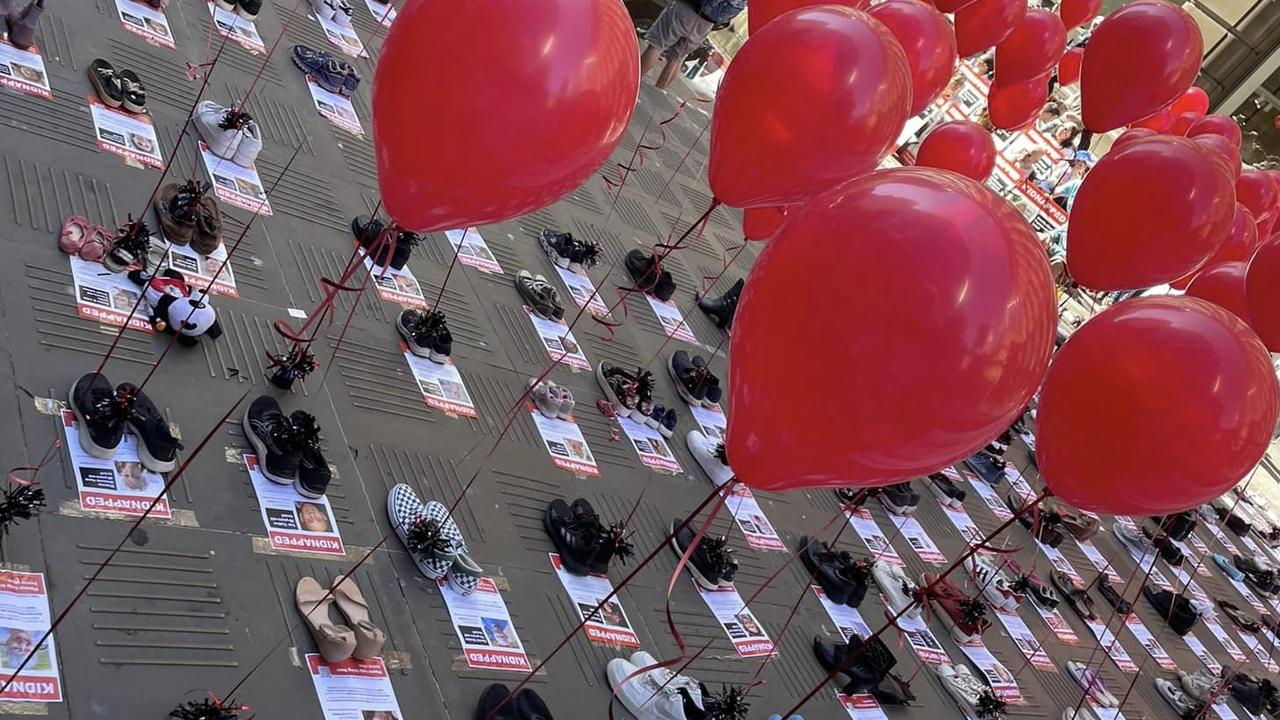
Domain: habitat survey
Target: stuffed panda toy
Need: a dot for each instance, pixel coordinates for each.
(175, 307)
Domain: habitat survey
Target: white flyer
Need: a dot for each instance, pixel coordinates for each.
(1059, 561)
(654, 450)
(1194, 556)
(200, 270)
(744, 631)
(24, 619)
(472, 250)
(237, 28)
(583, 291)
(861, 707)
(23, 70)
(608, 625)
(922, 640)
(1019, 483)
(991, 499)
(846, 619)
(333, 107)
(385, 14)
(395, 286)
(489, 639)
(1221, 537)
(755, 527)
(234, 184)
(129, 136)
(1223, 711)
(672, 320)
(146, 22)
(1148, 641)
(712, 421)
(441, 385)
(565, 444)
(918, 539)
(876, 542)
(1030, 646)
(119, 486)
(1224, 639)
(1203, 653)
(1002, 682)
(105, 296)
(1259, 651)
(1248, 595)
(343, 37)
(1098, 561)
(354, 689)
(559, 341)
(294, 523)
(1058, 624)
(1114, 649)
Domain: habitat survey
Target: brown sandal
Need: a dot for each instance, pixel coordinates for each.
(335, 642)
(351, 603)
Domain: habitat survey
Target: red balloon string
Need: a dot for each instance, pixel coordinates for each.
(16, 478)
(637, 157)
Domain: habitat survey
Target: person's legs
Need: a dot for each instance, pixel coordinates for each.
(649, 58)
(674, 61)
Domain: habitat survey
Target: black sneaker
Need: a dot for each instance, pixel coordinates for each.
(275, 439)
(900, 499)
(842, 578)
(313, 470)
(1041, 594)
(1113, 598)
(249, 9)
(576, 538)
(426, 334)
(667, 425)
(157, 447)
(694, 380)
(723, 308)
(569, 252)
(644, 394)
(947, 492)
(619, 387)
(645, 273)
(866, 665)
(539, 295)
(102, 420)
(395, 250)
(711, 563)
(1177, 610)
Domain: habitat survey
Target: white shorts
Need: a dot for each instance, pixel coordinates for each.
(678, 31)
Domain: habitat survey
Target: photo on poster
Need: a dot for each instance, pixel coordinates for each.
(472, 250)
(354, 689)
(559, 341)
(740, 624)
(671, 319)
(484, 627)
(335, 108)
(384, 13)
(342, 37)
(565, 444)
(235, 184)
(294, 522)
(582, 291)
(146, 22)
(23, 71)
(119, 486)
(395, 286)
(129, 136)
(201, 270)
(654, 450)
(441, 385)
(24, 620)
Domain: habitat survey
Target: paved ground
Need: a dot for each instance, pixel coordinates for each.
(197, 603)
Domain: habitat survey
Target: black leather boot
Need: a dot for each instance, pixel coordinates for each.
(722, 309)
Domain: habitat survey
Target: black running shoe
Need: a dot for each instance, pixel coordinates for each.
(900, 499)
(711, 563)
(102, 420)
(576, 536)
(157, 447)
(313, 469)
(275, 439)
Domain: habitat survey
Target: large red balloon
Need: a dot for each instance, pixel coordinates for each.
(1016, 106)
(763, 11)
(1216, 125)
(930, 44)
(1223, 149)
(951, 6)
(1182, 122)
(1139, 59)
(568, 69)
(1155, 406)
(1069, 66)
(959, 146)
(966, 344)
(1075, 13)
(982, 24)
(1223, 285)
(1132, 134)
(762, 223)
(1122, 239)
(1194, 101)
(1262, 292)
(1161, 121)
(1256, 191)
(1239, 245)
(1032, 49)
(816, 97)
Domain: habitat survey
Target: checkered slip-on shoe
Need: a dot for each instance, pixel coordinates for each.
(464, 574)
(405, 510)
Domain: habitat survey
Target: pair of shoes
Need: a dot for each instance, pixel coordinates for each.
(1123, 607)
(1262, 578)
(336, 10)
(843, 579)
(1201, 684)
(899, 499)
(711, 457)
(648, 275)
(712, 563)
(131, 246)
(1041, 594)
(1177, 610)
(361, 639)
(117, 88)
(1257, 695)
(586, 545)
(230, 133)
(433, 539)
(723, 308)
(988, 469)
(247, 9)
(946, 491)
(526, 705)
(552, 400)
(540, 295)
(568, 252)
(22, 25)
(189, 215)
(1227, 567)
(964, 616)
(1043, 525)
(663, 419)
(106, 411)
(1178, 526)
(865, 663)
(630, 393)
(656, 694)
(1242, 620)
(1077, 599)
(426, 334)
(331, 73)
(396, 247)
(993, 583)
(1135, 541)
(963, 686)
(1090, 680)
(694, 380)
(80, 237)
(288, 446)
(902, 594)
(1184, 705)
(1080, 526)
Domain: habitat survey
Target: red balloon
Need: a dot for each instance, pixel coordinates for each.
(951, 6)
(1075, 13)
(1155, 406)
(1223, 150)
(1216, 125)
(1132, 134)
(1275, 180)
(960, 146)
(927, 38)
(1223, 285)
(763, 11)
(1069, 66)
(1182, 122)
(568, 69)
(966, 345)
(1015, 106)
(1256, 191)
(982, 24)
(1161, 122)
(1139, 59)
(1241, 242)
(1266, 225)
(816, 97)
(1032, 49)
(1262, 292)
(1121, 239)
(1194, 100)
(762, 223)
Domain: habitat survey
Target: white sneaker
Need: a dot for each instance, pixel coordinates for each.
(208, 119)
(250, 145)
(993, 583)
(1080, 713)
(641, 695)
(342, 13)
(964, 687)
(1185, 706)
(1133, 539)
(1200, 684)
(1090, 681)
(323, 9)
(897, 588)
(704, 449)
